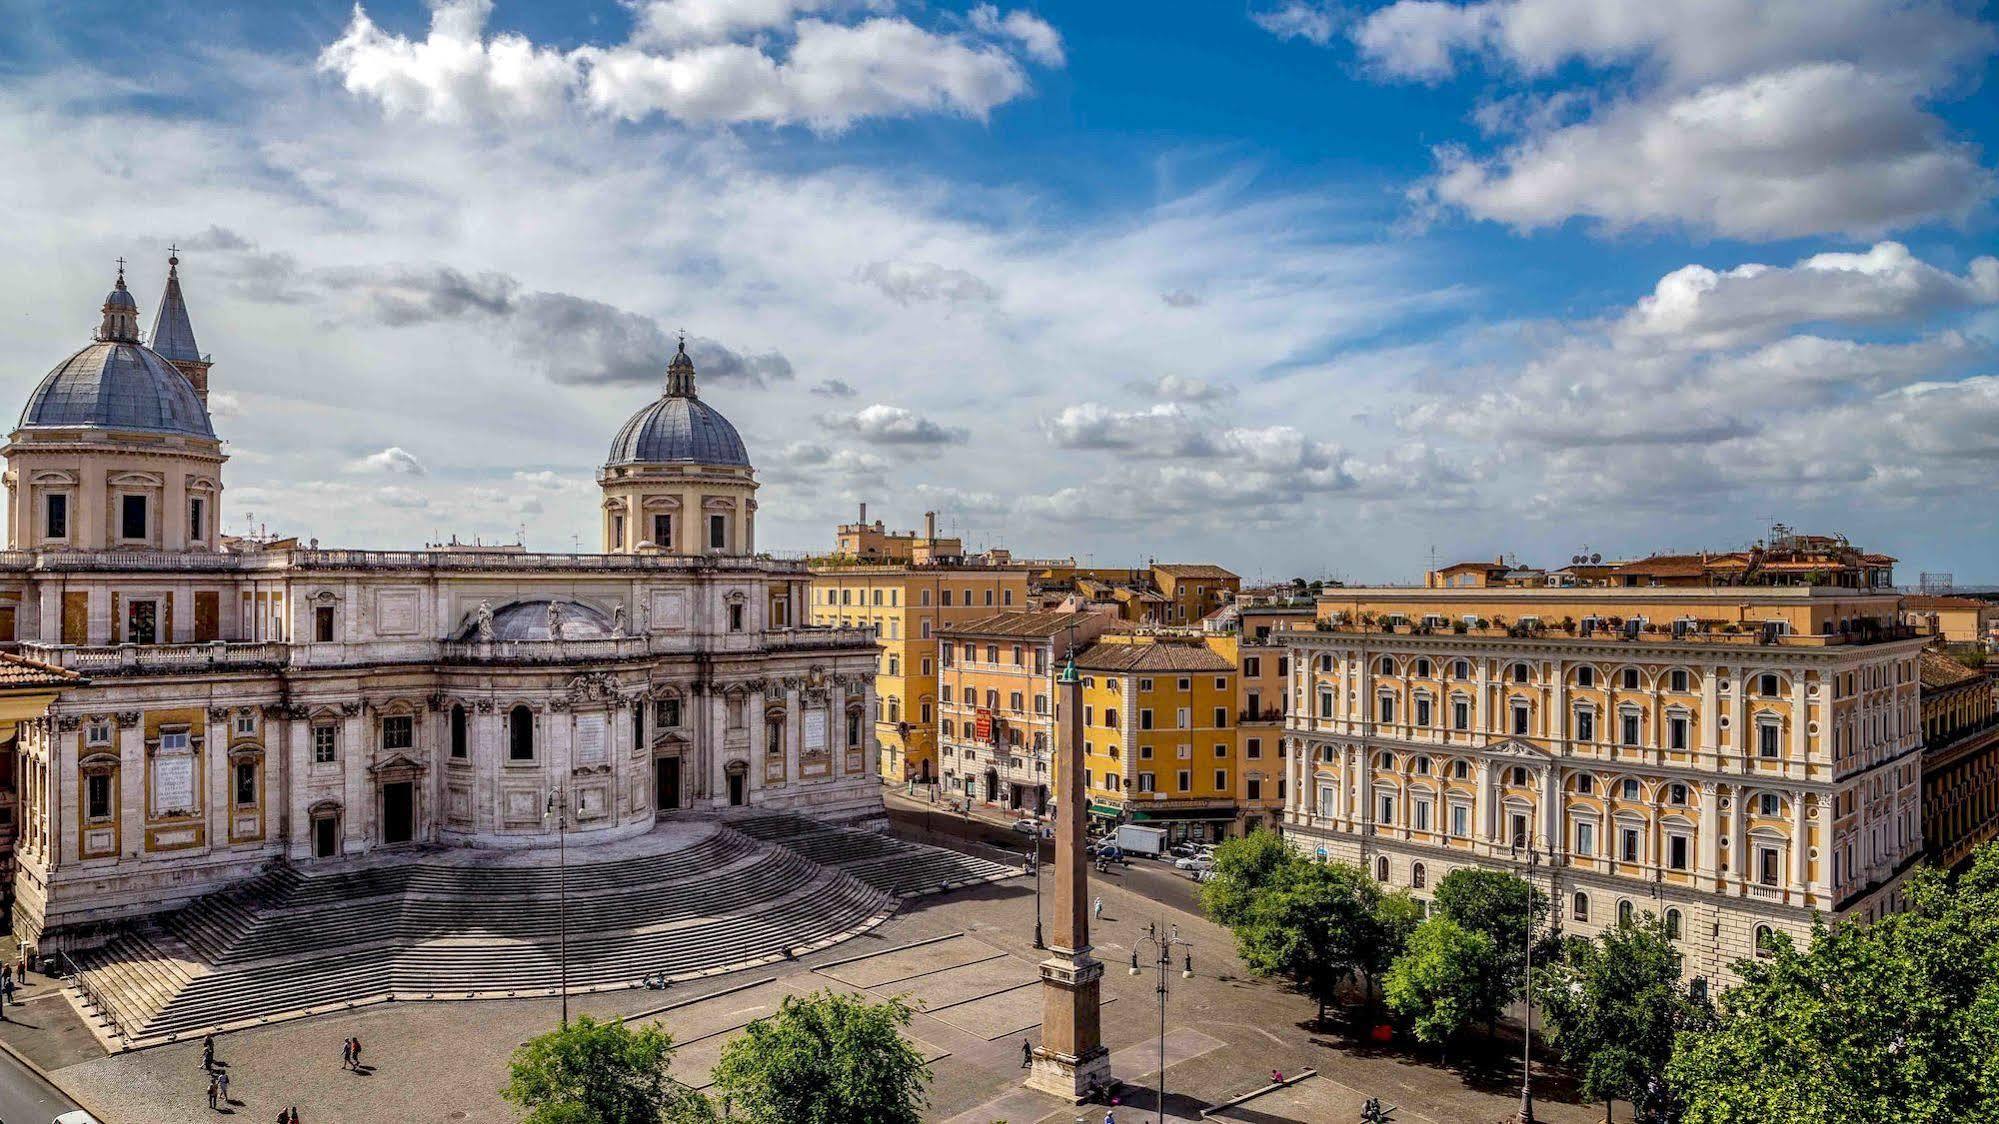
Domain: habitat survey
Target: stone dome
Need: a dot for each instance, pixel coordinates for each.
(115, 382)
(679, 428)
(528, 620)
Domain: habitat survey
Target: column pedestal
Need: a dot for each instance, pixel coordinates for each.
(1070, 988)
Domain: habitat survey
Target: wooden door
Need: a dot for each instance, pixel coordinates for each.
(207, 617)
(76, 618)
(7, 623)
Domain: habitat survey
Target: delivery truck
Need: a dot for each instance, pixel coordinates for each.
(1135, 839)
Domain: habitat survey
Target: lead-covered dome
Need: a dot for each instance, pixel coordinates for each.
(679, 428)
(117, 383)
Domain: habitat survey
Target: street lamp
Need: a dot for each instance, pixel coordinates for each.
(558, 806)
(1164, 942)
(1034, 864)
(1527, 990)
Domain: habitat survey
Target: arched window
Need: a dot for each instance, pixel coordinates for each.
(1520, 673)
(1416, 876)
(1384, 666)
(1381, 869)
(520, 734)
(1624, 913)
(1672, 924)
(1460, 669)
(774, 733)
(1579, 906)
(1763, 935)
(460, 740)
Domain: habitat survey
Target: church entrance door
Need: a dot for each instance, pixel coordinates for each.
(735, 789)
(666, 784)
(398, 812)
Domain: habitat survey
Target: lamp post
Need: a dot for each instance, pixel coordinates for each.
(1164, 942)
(1034, 864)
(1527, 993)
(558, 806)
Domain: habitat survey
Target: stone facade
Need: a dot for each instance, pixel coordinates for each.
(252, 702)
(1725, 784)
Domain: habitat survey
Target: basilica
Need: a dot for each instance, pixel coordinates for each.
(245, 703)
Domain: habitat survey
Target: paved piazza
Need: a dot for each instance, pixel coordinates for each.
(963, 959)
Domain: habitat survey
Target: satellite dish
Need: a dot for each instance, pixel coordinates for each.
(1596, 558)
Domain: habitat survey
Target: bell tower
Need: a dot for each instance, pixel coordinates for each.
(173, 332)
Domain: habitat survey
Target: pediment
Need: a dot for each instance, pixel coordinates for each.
(396, 763)
(1518, 749)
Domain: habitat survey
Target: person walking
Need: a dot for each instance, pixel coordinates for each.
(213, 1088)
(208, 1051)
(357, 1053)
(1026, 1055)
(294, 1119)
(347, 1053)
(222, 1082)
(1097, 909)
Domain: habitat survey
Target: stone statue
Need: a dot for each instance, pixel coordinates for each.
(618, 620)
(554, 620)
(484, 614)
(645, 617)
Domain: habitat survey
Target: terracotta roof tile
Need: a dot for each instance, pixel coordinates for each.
(1152, 657)
(1035, 623)
(18, 671)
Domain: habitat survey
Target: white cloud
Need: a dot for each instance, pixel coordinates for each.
(893, 425)
(1311, 20)
(1705, 114)
(908, 283)
(396, 495)
(392, 461)
(685, 61)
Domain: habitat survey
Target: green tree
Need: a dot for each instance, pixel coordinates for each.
(1897, 1020)
(1500, 906)
(1243, 868)
(1442, 982)
(593, 1072)
(825, 1058)
(1396, 916)
(1612, 1006)
(1311, 925)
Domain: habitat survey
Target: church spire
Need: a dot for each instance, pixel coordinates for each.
(680, 374)
(121, 312)
(173, 332)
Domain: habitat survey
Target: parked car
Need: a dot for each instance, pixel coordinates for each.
(1194, 863)
(1027, 827)
(1186, 849)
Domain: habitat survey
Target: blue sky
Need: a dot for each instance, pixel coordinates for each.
(1295, 286)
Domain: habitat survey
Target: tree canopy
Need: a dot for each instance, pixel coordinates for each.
(826, 1058)
(1313, 924)
(1442, 982)
(593, 1072)
(1243, 868)
(1612, 1005)
(1897, 1020)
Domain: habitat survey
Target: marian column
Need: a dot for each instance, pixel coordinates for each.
(1071, 1060)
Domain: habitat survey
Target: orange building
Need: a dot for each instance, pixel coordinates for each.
(997, 705)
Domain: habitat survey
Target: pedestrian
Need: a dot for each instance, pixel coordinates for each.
(7, 985)
(284, 1117)
(1277, 1077)
(1110, 1117)
(1097, 908)
(212, 1089)
(357, 1053)
(1026, 1055)
(347, 1053)
(222, 1080)
(208, 1051)
(294, 1119)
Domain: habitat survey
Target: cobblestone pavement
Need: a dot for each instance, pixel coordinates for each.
(447, 1061)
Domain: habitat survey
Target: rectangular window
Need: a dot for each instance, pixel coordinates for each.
(1676, 852)
(1221, 718)
(1221, 780)
(322, 623)
(1221, 749)
(1766, 865)
(1460, 714)
(1422, 712)
(1520, 718)
(246, 782)
(1145, 782)
(1628, 729)
(618, 532)
(735, 618)
(1422, 813)
(1145, 719)
(1585, 725)
(662, 530)
(1386, 706)
(1627, 847)
(1766, 739)
(398, 731)
(1676, 731)
(56, 522)
(1585, 839)
(718, 532)
(324, 743)
(460, 741)
(1460, 820)
(1253, 788)
(194, 524)
(97, 796)
(1252, 748)
(132, 517)
(1519, 830)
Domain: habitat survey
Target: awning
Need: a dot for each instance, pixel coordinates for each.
(1112, 810)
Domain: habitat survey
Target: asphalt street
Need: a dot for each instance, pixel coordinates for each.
(26, 1098)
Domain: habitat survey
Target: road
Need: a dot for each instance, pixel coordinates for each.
(26, 1098)
(1153, 878)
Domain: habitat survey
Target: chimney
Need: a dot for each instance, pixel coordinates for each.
(930, 525)
(1499, 560)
